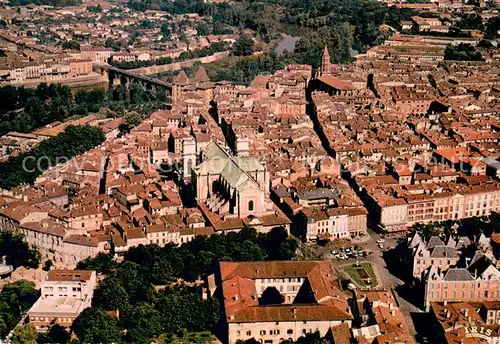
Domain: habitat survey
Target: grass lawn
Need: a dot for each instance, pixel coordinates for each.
(363, 275)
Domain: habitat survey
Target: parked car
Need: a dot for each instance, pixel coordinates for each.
(381, 246)
(380, 241)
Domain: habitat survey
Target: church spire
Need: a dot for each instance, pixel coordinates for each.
(325, 62)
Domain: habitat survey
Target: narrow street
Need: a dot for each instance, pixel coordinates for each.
(387, 280)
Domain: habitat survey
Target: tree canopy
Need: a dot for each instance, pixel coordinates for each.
(462, 52)
(26, 167)
(15, 299)
(17, 251)
(342, 25)
(271, 296)
(175, 306)
(25, 109)
(25, 334)
(491, 28)
(94, 325)
(243, 46)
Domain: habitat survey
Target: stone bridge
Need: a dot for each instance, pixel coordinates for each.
(117, 76)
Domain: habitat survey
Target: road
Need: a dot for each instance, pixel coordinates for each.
(389, 280)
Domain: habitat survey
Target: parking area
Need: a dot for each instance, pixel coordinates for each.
(349, 252)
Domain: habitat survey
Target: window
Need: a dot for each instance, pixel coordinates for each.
(249, 333)
(289, 331)
(250, 206)
(262, 332)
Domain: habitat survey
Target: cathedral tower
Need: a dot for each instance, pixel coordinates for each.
(325, 62)
(188, 156)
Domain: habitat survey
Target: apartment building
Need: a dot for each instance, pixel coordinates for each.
(395, 207)
(480, 280)
(64, 295)
(95, 54)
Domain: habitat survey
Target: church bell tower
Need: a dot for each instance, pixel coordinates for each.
(325, 62)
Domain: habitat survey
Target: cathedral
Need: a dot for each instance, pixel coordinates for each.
(231, 185)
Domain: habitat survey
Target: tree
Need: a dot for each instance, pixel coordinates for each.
(312, 338)
(102, 263)
(94, 9)
(427, 230)
(137, 94)
(15, 298)
(248, 341)
(309, 338)
(48, 264)
(93, 325)
(165, 30)
(278, 246)
(111, 43)
(271, 296)
(243, 46)
(58, 334)
(491, 28)
(177, 305)
(17, 251)
(25, 110)
(110, 295)
(91, 100)
(462, 52)
(202, 29)
(71, 45)
(25, 334)
(142, 322)
(44, 338)
(20, 294)
(471, 21)
(187, 337)
(134, 279)
(4, 329)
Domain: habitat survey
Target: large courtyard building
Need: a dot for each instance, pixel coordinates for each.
(312, 300)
